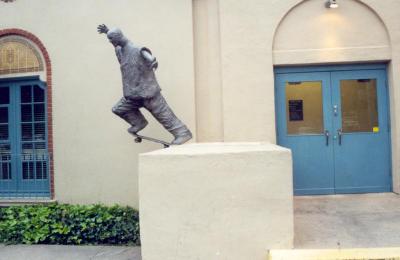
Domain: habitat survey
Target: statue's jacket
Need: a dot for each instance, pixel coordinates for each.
(138, 77)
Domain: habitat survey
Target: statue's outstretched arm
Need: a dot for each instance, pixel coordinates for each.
(149, 58)
(102, 28)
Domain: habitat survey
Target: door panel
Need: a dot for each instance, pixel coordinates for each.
(32, 145)
(362, 154)
(302, 122)
(8, 178)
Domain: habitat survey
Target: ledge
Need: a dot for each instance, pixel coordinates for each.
(20, 201)
(199, 149)
(332, 55)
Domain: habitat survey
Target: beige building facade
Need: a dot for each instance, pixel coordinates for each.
(216, 69)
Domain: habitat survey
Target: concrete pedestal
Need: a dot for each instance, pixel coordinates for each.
(215, 201)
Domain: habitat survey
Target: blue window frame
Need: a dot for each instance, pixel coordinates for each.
(24, 157)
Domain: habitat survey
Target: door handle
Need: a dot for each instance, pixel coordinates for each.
(327, 137)
(340, 133)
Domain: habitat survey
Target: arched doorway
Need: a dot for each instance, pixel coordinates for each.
(334, 118)
(25, 103)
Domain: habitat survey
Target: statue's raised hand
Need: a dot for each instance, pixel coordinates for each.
(102, 28)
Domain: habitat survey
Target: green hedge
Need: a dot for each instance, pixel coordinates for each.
(69, 224)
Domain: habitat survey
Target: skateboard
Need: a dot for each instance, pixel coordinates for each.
(139, 139)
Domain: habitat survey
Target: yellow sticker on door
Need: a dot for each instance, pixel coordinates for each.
(375, 129)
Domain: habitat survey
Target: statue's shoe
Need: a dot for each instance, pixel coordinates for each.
(182, 138)
(136, 128)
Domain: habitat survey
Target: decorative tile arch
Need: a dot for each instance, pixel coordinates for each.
(40, 48)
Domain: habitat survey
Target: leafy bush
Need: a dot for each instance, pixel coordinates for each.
(69, 224)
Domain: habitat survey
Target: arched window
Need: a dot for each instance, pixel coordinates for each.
(17, 55)
(25, 153)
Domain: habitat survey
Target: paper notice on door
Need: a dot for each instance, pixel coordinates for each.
(375, 129)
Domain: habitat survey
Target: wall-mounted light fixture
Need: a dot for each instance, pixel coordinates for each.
(331, 4)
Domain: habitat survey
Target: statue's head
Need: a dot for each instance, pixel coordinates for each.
(116, 37)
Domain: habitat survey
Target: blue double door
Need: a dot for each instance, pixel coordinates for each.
(24, 158)
(336, 122)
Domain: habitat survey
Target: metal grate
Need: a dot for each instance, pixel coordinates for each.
(5, 162)
(29, 179)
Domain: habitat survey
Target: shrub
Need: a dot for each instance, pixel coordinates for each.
(69, 224)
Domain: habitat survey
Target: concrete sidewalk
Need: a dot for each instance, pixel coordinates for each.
(347, 221)
(56, 252)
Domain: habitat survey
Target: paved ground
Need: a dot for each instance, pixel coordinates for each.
(346, 221)
(47, 252)
(339, 221)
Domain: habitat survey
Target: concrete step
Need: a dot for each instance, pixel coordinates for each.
(388, 253)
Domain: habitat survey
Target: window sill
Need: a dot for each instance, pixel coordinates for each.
(25, 201)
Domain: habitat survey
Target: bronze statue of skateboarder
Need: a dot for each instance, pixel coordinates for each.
(141, 89)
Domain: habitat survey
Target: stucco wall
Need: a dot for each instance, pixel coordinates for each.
(95, 158)
(209, 114)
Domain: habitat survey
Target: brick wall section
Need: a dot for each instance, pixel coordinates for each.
(39, 44)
